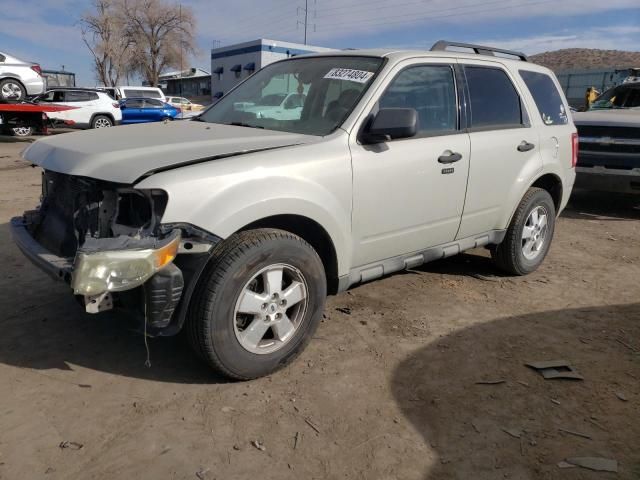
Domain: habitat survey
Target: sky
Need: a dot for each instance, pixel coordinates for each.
(47, 31)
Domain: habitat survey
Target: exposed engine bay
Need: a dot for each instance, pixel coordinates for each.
(75, 210)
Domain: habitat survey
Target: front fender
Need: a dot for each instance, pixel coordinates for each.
(223, 196)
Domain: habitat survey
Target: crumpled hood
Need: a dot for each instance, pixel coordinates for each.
(126, 153)
(608, 118)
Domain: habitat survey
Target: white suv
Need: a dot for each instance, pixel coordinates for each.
(236, 227)
(93, 108)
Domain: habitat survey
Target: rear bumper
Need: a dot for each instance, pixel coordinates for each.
(56, 267)
(608, 179)
(34, 86)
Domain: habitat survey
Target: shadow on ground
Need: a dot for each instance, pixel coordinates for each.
(511, 429)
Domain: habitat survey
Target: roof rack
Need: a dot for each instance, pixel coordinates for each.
(443, 45)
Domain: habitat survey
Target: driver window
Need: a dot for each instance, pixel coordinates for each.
(430, 90)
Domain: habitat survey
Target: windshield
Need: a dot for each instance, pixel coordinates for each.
(623, 96)
(303, 95)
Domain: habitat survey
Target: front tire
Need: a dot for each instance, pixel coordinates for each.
(258, 303)
(22, 131)
(529, 235)
(101, 121)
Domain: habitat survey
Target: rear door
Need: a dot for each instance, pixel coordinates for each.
(505, 150)
(84, 104)
(153, 110)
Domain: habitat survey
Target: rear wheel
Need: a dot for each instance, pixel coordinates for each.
(529, 235)
(101, 121)
(258, 303)
(11, 89)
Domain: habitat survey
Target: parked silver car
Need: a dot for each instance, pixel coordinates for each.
(19, 79)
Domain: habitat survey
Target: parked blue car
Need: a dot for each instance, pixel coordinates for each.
(141, 110)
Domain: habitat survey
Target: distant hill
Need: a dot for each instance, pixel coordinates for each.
(587, 58)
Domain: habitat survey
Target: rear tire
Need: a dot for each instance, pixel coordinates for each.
(101, 121)
(12, 90)
(246, 319)
(529, 235)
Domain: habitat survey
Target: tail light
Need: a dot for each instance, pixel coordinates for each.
(574, 150)
(116, 105)
(36, 68)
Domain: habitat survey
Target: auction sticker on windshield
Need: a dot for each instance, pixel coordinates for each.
(359, 76)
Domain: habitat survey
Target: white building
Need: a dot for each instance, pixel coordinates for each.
(234, 63)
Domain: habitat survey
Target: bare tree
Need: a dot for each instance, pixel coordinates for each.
(160, 33)
(103, 32)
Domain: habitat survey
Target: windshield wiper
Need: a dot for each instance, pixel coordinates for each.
(242, 124)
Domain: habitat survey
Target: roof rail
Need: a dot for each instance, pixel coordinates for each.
(443, 45)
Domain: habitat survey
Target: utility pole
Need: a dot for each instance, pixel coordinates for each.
(306, 19)
(181, 66)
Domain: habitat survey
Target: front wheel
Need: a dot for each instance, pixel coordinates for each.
(258, 303)
(22, 131)
(529, 235)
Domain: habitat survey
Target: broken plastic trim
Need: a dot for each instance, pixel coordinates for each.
(121, 263)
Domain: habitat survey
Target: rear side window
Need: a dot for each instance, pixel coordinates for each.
(430, 90)
(2, 58)
(72, 96)
(495, 102)
(546, 96)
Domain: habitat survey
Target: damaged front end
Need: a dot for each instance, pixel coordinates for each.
(106, 240)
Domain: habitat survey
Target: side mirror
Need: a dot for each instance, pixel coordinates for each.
(391, 123)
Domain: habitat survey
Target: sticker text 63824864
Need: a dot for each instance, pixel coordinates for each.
(359, 76)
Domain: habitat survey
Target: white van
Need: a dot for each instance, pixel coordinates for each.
(135, 91)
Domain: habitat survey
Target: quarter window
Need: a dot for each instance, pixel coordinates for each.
(547, 98)
(430, 90)
(495, 103)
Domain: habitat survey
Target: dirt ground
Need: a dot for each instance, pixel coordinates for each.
(387, 389)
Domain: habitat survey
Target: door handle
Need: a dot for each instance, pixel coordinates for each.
(449, 157)
(525, 146)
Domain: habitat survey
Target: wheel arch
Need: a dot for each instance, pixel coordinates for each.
(311, 232)
(552, 183)
(548, 181)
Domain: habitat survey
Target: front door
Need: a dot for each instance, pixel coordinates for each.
(408, 194)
